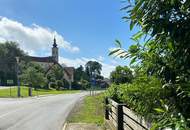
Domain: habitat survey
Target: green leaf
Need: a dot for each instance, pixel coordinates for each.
(114, 51)
(137, 6)
(120, 53)
(154, 126)
(159, 110)
(118, 43)
(170, 45)
(132, 25)
(138, 35)
(133, 60)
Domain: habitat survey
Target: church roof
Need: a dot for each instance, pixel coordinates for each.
(48, 59)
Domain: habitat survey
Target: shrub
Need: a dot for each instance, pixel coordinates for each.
(148, 98)
(60, 84)
(53, 85)
(84, 84)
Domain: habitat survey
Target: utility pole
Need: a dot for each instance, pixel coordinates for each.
(18, 81)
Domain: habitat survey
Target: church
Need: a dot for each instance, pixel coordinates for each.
(48, 62)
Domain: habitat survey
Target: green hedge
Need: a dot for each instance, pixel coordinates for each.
(148, 98)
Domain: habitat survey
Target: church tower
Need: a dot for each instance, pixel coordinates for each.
(55, 51)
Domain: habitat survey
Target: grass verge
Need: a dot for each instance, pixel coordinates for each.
(7, 93)
(90, 110)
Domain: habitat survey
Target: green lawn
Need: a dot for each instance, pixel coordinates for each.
(5, 93)
(90, 111)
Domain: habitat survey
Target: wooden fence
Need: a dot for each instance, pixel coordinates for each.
(123, 118)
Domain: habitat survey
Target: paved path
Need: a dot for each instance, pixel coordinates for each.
(44, 113)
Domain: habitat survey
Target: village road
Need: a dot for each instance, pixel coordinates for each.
(37, 113)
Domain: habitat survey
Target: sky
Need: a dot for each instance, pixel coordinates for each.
(85, 29)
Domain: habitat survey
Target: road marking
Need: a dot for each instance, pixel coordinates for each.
(1, 116)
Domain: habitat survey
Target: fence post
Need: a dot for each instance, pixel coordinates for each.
(120, 117)
(106, 109)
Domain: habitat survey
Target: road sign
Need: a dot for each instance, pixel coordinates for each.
(10, 82)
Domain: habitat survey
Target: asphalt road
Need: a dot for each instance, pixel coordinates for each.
(42, 113)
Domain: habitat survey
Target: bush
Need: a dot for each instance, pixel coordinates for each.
(142, 97)
(60, 84)
(148, 98)
(53, 85)
(84, 84)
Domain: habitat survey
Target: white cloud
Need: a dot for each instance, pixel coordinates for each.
(114, 62)
(106, 68)
(101, 58)
(32, 38)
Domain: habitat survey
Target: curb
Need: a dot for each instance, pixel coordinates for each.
(64, 126)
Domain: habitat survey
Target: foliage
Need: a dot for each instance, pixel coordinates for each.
(8, 52)
(56, 73)
(163, 52)
(60, 84)
(53, 85)
(83, 77)
(144, 90)
(33, 75)
(121, 75)
(84, 84)
(147, 98)
(93, 68)
(80, 74)
(55, 77)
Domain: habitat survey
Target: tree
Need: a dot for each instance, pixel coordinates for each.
(84, 84)
(8, 52)
(33, 76)
(55, 77)
(121, 75)
(80, 74)
(93, 67)
(165, 52)
(56, 73)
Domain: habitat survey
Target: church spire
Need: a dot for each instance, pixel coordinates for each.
(55, 53)
(54, 42)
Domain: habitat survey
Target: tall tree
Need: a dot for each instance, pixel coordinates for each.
(8, 52)
(93, 67)
(80, 74)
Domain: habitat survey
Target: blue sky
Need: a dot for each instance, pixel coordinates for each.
(91, 26)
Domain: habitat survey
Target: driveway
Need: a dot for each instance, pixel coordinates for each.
(43, 113)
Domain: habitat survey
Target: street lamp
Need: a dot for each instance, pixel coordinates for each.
(18, 81)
